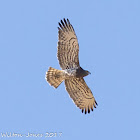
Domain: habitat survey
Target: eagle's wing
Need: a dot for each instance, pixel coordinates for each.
(81, 94)
(68, 48)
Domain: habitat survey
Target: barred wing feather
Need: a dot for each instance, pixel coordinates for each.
(68, 48)
(81, 94)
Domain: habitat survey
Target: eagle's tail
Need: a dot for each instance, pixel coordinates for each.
(54, 77)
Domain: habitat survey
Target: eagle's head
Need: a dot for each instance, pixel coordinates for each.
(87, 72)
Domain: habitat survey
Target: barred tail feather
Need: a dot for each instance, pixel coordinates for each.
(54, 77)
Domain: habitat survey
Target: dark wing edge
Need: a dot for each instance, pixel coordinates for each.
(65, 25)
(68, 48)
(80, 94)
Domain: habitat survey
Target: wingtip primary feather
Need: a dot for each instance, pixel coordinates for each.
(62, 23)
(65, 20)
(96, 102)
(88, 110)
(68, 21)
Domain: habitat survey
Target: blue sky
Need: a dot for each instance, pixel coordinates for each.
(109, 37)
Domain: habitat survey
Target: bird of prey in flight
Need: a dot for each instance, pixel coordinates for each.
(72, 73)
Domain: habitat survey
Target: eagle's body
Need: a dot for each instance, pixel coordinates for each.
(71, 73)
(75, 72)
